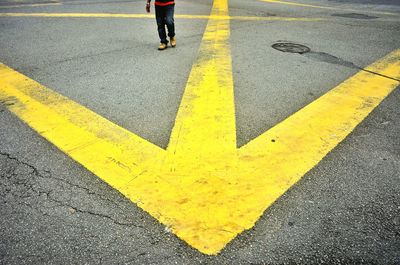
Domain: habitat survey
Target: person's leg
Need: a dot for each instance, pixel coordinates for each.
(169, 20)
(160, 17)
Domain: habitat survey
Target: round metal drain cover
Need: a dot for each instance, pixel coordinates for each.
(290, 47)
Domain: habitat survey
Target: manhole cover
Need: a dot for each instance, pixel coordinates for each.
(354, 15)
(290, 47)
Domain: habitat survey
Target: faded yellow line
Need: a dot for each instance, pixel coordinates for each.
(96, 143)
(30, 5)
(77, 15)
(275, 18)
(151, 16)
(328, 7)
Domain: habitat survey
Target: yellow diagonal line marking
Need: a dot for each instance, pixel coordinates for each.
(327, 7)
(150, 16)
(281, 156)
(112, 153)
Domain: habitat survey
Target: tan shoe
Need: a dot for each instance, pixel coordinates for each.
(173, 41)
(162, 46)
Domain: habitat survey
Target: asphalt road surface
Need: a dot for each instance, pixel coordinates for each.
(345, 210)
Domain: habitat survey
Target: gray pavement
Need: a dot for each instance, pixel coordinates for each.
(344, 211)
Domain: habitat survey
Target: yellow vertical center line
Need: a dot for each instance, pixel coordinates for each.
(204, 128)
(200, 165)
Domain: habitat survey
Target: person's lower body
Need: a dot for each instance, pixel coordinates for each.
(165, 18)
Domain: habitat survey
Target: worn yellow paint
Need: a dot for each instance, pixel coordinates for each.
(109, 151)
(150, 16)
(327, 7)
(77, 15)
(204, 188)
(201, 162)
(281, 156)
(29, 5)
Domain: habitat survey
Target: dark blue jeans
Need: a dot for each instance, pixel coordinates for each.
(165, 17)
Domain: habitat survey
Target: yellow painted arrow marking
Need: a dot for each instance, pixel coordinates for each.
(202, 187)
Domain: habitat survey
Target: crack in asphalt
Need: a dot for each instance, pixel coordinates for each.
(40, 192)
(37, 173)
(88, 56)
(76, 209)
